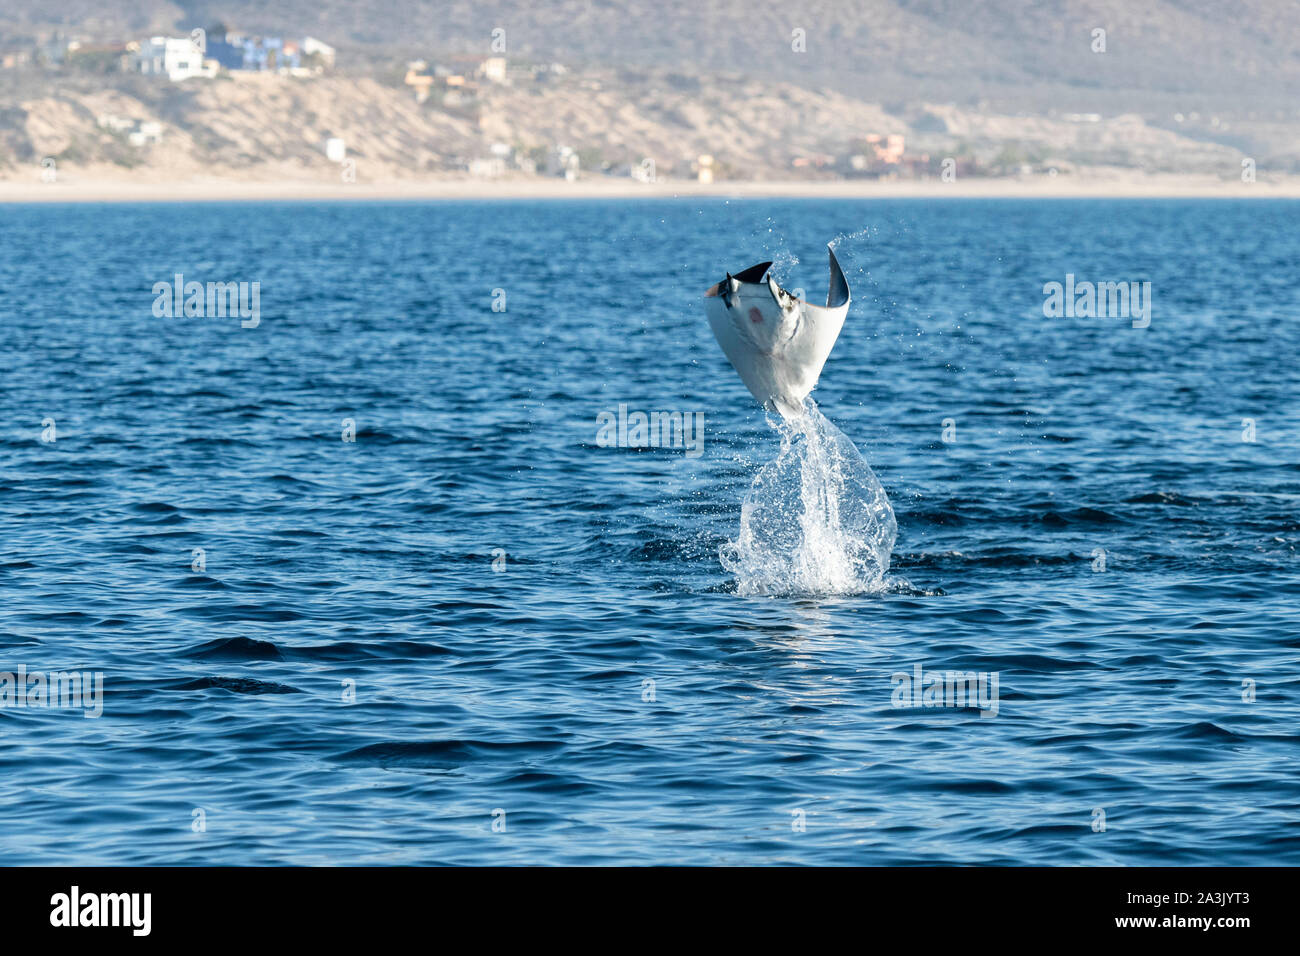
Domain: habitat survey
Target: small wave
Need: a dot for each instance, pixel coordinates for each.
(1083, 515)
(1205, 730)
(380, 650)
(236, 649)
(155, 507)
(237, 685)
(443, 754)
(1162, 498)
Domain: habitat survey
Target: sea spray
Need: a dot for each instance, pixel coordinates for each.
(816, 519)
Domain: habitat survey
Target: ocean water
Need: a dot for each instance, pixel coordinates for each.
(480, 633)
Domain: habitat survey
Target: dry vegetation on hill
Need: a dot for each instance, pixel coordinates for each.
(1186, 86)
(272, 127)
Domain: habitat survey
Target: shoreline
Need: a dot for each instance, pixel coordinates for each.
(74, 188)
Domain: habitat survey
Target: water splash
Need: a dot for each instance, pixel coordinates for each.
(783, 263)
(816, 519)
(851, 237)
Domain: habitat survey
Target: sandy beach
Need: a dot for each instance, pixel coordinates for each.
(75, 186)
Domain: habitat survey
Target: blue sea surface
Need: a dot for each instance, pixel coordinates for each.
(478, 635)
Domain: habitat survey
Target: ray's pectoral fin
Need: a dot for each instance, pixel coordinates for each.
(776, 341)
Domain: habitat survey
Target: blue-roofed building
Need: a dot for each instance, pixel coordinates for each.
(239, 52)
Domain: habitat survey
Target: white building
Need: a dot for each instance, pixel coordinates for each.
(148, 134)
(118, 124)
(487, 167)
(563, 161)
(310, 46)
(177, 58)
(493, 69)
(704, 169)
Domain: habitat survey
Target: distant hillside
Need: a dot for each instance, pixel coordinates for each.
(269, 126)
(1234, 58)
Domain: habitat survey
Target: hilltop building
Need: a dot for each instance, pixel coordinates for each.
(263, 54)
(319, 50)
(177, 58)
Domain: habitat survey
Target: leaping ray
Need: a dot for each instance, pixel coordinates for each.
(777, 342)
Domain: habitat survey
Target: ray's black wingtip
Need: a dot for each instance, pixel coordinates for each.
(838, 294)
(754, 274)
